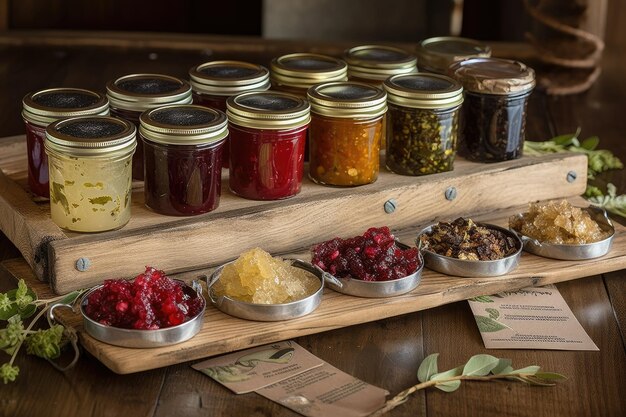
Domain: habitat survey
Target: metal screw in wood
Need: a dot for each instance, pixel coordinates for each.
(83, 264)
(390, 205)
(450, 193)
(571, 176)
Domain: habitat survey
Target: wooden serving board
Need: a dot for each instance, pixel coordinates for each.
(177, 244)
(222, 333)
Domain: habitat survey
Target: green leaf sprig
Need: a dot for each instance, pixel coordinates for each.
(22, 303)
(478, 368)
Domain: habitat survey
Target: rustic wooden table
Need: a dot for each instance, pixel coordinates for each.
(385, 353)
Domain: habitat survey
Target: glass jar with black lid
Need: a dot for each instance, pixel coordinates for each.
(373, 64)
(422, 123)
(183, 158)
(437, 54)
(133, 94)
(47, 106)
(493, 117)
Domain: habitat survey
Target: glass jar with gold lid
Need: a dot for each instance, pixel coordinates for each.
(44, 107)
(90, 163)
(437, 54)
(132, 94)
(373, 64)
(295, 73)
(422, 123)
(345, 133)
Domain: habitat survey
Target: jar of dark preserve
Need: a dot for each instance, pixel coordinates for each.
(183, 158)
(267, 135)
(373, 64)
(437, 54)
(494, 111)
(47, 106)
(131, 95)
(422, 123)
(213, 82)
(345, 132)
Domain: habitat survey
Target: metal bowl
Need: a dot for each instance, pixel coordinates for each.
(137, 338)
(377, 289)
(574, 252)
(268, 312)
(476, 269)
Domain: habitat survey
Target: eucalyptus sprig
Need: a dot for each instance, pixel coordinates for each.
(478, 368)
(22, 303)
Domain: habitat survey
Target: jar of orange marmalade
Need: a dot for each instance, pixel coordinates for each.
(345, 132)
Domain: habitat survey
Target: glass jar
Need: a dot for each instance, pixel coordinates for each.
(47, 106)
(213, 82)
(346, 129)
(373, 64)
(131, 95)
(422, 123)
(267, 135)
(90, 165)
(493, 118)
(183, 158)
(437, 54)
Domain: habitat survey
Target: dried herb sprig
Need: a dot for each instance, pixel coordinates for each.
(477, 368)
(22, 303)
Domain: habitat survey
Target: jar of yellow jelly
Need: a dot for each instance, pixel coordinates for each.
(345, 132)
(131, 95)
(90, 166)
(437, 54)
(373, 64)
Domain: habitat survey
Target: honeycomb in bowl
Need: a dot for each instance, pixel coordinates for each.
(558, 222)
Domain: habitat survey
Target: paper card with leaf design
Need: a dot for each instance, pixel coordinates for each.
(529, 318)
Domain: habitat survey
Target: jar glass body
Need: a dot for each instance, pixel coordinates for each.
(90, 194)
(37, 160)
(344, 151)
(182, 180)
(214, 102)
(493, 126)
(421, 141)
(133, 117)
(266, 164)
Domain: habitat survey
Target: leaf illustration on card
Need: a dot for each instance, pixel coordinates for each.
(493, 313)
(487, 324)
(482, 299)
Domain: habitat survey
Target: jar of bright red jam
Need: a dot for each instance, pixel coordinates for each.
(132, 94)
(47, 106)
(267, 135)
(213, 82)
(183, 158)
(345, 133)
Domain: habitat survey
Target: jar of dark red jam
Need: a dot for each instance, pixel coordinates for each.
(132, 94)
(437, 54)
(493, 117)
(373, 64)
(183, 158)
(213, 82)
(422, 123)
(47, 106)
(267, 135)
(90, 172)
(345, 132)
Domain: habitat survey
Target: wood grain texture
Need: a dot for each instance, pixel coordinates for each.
(191, 243)
(616, 288)
(222, 333)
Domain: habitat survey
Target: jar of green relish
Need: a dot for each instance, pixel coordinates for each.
(493, 118)
(131, 95)
(422, 123)
(45, 107)
(267, 135)
(183, 158)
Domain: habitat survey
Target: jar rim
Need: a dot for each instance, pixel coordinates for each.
(302, 70)
(377, 62)
(178, 92)
(228, 77)
(40, 114)
(268, 110)
(424, 90)
(438, 53)
(347, 99)
(168, 125)
(493, 76)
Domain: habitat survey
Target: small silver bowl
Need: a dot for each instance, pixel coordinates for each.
(571, 252)
(137, 338)
(377, 289)
(472, 269)
(267, 312)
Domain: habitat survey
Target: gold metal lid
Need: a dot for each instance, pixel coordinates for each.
(302, 70)
(347, 99)
(378, 62)
(44, 107)
(268, 110)
(227, 78)
(437, 54)
(139, 92)
(183, 124)
(91, 136)
(493, 76)
(424, 91)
